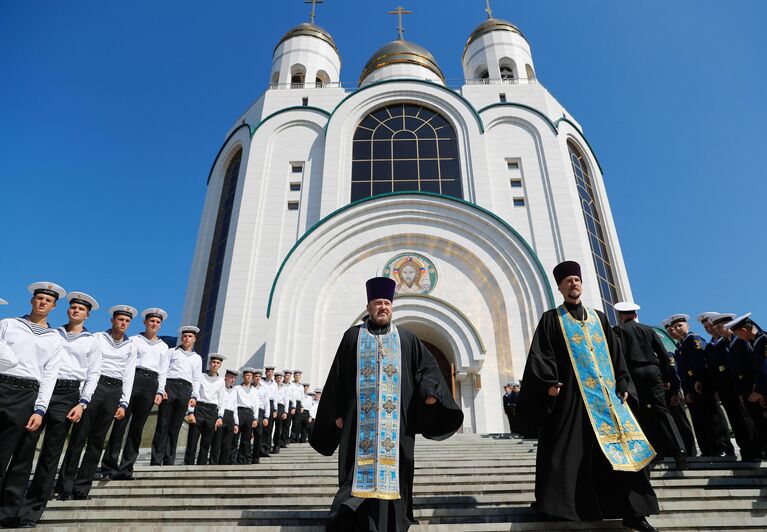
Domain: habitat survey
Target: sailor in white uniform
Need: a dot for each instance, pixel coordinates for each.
(207, 416)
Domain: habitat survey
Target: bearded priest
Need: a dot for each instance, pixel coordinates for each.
(384, 387)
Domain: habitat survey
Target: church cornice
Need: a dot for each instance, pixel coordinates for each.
(501, 221)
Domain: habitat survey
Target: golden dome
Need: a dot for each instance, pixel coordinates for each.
(312, 30)
(401, 51)
(491, 24)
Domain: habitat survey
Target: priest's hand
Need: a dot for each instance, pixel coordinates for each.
(35, 420)
(623, 396)
(554, 390)
(431, 400)
(340, 422)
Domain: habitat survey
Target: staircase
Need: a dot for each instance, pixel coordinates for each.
(467, 483)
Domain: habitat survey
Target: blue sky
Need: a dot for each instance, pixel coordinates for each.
(112, 112)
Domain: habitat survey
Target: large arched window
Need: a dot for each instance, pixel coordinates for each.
(217, 255)
(404, 147)
(599, 247)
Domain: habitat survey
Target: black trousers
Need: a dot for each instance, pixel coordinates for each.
(268, 432)
(56, 425)
(141, 402)
(245, 452)
(17, 404)
(757, 415)
(285, 436)
(170, 417)
(652, 414)
(682, 422)
(295, 428)
(277, 430)
(221, 447)
(710, 426)
(307, 430)
(258, 435)
(201, 432)
(76, 478)
(742, 425)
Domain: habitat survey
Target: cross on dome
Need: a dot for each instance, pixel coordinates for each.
(313, 12)
(488, 9)
(399, 12)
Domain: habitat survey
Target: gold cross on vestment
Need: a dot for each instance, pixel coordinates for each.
(399, 12)
(314, 8)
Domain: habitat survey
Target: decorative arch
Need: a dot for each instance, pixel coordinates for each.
(322, 78)
(529, 72)
(297, 74)
(508, 69)
(275, 78)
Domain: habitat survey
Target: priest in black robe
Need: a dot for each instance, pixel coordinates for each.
(387, 382)
(574, 480)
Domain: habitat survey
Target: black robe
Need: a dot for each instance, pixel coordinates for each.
(420, 378)
(573, 479)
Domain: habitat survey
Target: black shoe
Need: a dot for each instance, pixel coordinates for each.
(27, 523)
(64, 496)
(638, 523)
(256, 461)
(81, 497)
(106, 476)
(681, 460)
(9, 522)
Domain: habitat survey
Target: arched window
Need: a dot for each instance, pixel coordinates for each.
(217, 254)
(482, 73)
(297, 75)
(322, 79)
(275, 78)
(530, 72)
(405, 147)
(507, 72)
(599, 247)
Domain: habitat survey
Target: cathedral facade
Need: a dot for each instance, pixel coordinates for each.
(467, 197)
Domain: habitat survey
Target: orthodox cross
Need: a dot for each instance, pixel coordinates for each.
(399, 12)
(488, 10)
(314, 8)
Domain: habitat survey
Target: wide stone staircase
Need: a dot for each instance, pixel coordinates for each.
(467, 483)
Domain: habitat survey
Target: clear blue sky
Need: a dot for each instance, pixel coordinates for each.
(111, 114)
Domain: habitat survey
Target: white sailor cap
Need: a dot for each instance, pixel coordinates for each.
(721, 318)
(232, 372)
(279, 374)
(626, 307)
(706, 316)
(738, 322)
(188, 329)
(123, 310)
(297, 371)
(48, 288)
(305, 384)
(216, 356)
(83, 299)
(3, 301)
(267, 368)
(248, 369)
(154, 312)
(258, 371)
(318, 390)
(286, 371)
(675, 318)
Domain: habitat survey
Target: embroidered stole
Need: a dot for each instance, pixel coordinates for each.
(617, 431)
(376, 467)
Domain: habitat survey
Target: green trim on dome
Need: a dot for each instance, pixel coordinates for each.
(501, 221)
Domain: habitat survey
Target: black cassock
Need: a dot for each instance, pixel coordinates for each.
(420, 378)
(573, 479)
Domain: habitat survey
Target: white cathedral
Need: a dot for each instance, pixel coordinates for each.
(467, 197)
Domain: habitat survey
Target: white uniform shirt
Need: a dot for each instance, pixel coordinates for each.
(313, 408)
(269, 392)
(186, 365)
(80, 361)
(263, 402)
(153, 355)
(118, 361)
(38, 352)
(247, 397)
(230, 402)
(7, 357)
(212, 391)
(296, 395)
(282, 397)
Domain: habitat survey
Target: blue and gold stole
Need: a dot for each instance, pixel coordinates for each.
(376, 466)
(617, 431)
